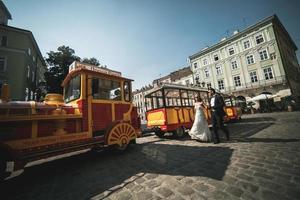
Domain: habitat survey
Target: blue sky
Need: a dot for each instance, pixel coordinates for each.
(144, 39)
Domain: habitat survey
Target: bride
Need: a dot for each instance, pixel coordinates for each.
(200, 130)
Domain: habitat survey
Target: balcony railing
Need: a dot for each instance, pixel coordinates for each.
(260, 83)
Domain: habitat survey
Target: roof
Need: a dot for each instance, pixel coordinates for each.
(261, 23)
(77, 71)
(29, 33)
(186, 71)
(3, 7)
(175, 86)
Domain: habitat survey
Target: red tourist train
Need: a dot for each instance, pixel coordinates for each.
(95, 111)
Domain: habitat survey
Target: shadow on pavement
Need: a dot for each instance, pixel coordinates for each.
(86, 175)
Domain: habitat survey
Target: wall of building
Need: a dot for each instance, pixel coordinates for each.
(243, 70)
(24, 67)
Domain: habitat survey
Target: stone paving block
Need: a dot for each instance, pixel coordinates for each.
(230, 180)
(244, 177)
(124, 195)
(269, 195)
(185, 190)
(247, 186)
(164, 192)
(265, 176)
(151, 184)
(235, 191)
(145, 195)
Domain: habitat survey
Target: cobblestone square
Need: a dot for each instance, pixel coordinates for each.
(262, 161)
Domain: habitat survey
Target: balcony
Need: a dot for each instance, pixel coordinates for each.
(260, 83)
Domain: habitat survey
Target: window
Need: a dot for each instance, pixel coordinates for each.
(28, 71)
(205, 62)
(72, 89)
(219, 69)
(206, 72)
(33, 58)
(247, 44)
(127, 91)
(216, 57)
(221, 84)
(234, 65)
(3, 41)
(231, 51)
(197, 78)
(195, 66)
(2, 64)
(237, 81)
(259, 39)
(208, 85)
(106, 89)
(253, 77)
(273, 56)
(263, 55)
(250, 59)
(29, 51)
(268, 73)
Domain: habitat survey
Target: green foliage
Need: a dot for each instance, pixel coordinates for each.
(92, 61)
(58, 67)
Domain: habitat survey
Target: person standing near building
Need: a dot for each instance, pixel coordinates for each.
(217, 113)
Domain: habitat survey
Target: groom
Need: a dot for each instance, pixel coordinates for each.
(217, 113)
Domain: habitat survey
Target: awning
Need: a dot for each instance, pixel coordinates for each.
(261, 97)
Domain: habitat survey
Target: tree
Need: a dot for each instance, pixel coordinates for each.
(58, 62)
(58, 67)
(92, 61)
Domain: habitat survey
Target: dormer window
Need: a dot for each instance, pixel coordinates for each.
(216, 57)
(259, 39)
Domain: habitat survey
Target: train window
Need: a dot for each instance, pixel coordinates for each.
(127, 91)
(72, 89)
(172, 97)
(106, 89)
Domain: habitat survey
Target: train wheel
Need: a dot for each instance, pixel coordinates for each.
(120, 136)
(159, 134)
(179, 132)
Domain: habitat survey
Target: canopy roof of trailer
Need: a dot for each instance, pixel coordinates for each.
(174, 86)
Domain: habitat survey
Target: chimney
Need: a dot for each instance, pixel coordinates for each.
(223, 39)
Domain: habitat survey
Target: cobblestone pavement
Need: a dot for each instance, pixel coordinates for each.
(262, 161)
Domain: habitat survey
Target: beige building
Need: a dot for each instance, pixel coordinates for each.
(21, 63)
(258, 59)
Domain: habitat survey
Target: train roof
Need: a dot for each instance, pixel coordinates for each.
(79, 67)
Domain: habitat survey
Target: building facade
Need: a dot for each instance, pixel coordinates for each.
(22, 65)
(259, 59)
(139, 102)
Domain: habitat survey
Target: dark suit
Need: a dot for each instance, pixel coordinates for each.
(217, 114)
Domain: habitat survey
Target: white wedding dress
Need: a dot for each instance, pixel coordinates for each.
(200, 130)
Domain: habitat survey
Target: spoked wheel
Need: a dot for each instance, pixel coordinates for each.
(159, 134)
(179, 132)
(120, 136)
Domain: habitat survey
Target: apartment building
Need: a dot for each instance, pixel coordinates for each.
(259, 59)
(21, 63)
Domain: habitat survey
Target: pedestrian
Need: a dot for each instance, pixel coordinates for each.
(200, 130)
(217, 113)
